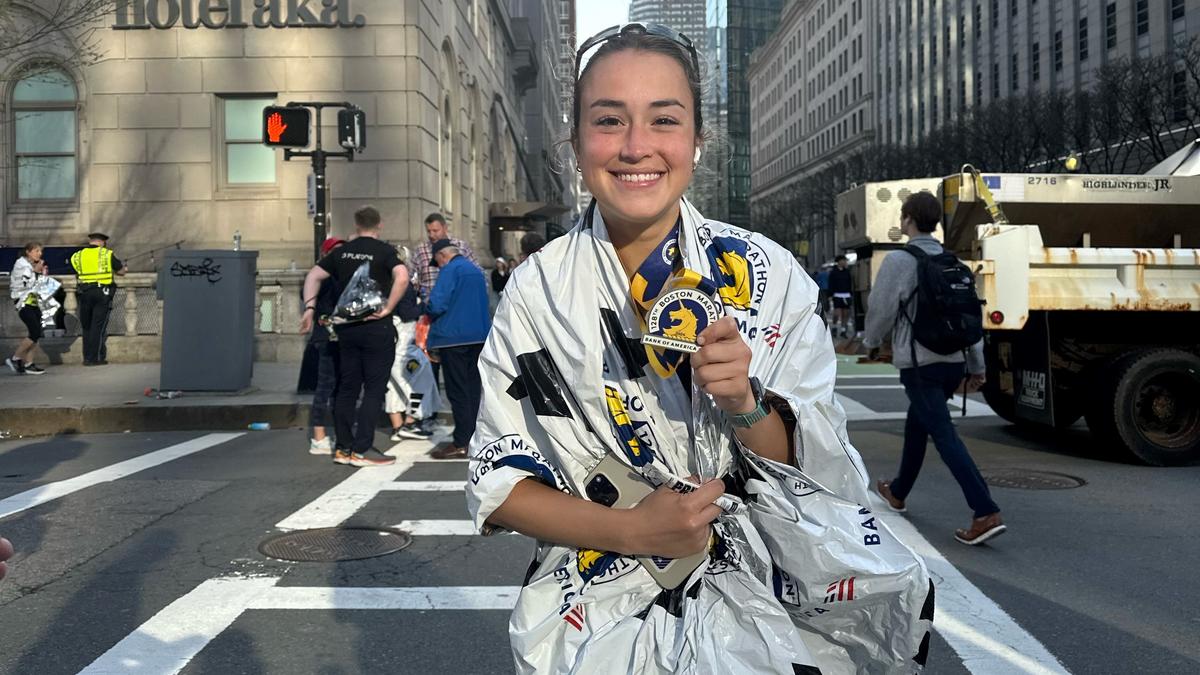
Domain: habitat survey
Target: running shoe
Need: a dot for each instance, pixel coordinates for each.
(34, 369)
(371, 457)
(341, 456)
(15, 365)
(412, 430)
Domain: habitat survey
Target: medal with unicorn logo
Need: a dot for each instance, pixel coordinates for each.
(676, 305)
(677, 317)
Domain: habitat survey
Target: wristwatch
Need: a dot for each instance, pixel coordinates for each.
(760, 411)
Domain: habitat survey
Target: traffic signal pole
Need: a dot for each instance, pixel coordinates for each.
(352, 123)
(319, 156)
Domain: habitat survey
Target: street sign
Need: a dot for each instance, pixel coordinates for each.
(352, 129)
(312, 195)
(286, 127)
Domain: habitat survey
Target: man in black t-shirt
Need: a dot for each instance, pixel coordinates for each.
(366, 348)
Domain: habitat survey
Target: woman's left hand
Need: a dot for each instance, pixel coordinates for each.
(722, 367)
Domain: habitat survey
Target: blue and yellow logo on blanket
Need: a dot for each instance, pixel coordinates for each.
(623, 427)
(740, 270)
(591, 563)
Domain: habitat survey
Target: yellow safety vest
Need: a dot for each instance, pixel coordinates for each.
(93, 265)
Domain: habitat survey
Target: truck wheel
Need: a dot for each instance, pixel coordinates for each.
(1151, 403)
(1002, 404)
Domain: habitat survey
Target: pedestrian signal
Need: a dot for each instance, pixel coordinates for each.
(352, 129)
(286, 127)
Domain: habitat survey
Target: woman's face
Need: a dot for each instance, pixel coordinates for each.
(637, 136)
(35, 254)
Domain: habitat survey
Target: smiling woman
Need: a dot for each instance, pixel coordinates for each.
(651, 445)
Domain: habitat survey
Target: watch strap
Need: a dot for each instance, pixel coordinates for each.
(760, 411)
(745, 420)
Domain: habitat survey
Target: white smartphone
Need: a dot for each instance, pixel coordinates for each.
(617, 486)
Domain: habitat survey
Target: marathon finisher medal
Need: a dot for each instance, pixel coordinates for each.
(677, 317)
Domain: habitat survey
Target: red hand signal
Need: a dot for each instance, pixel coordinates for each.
(275, 127)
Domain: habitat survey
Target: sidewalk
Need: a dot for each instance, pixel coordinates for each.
(105, 399)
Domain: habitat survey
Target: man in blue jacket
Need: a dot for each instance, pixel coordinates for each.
(458, 307)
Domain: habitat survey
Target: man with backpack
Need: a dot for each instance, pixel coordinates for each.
(925, 299)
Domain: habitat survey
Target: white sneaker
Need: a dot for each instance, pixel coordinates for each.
(321, 447)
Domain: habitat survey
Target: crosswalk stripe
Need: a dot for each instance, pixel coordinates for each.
(171, 638)
(438, 528)
(347, 497)
(422, 598)
(843, 387)
(51, 491)
(854, 408)
(426, 485)
(889, 376)
(984, 636)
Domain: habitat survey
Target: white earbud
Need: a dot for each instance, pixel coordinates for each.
(696, 159)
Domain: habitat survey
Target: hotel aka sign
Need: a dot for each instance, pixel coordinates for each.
(144, 14)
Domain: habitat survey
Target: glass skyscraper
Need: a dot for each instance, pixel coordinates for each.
(733, 30)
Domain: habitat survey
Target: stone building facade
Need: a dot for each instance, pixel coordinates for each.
(157, 140)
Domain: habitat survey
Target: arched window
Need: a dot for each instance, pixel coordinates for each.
(447, 156)
(44, 136)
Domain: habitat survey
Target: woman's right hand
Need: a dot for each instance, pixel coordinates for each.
(673, 525)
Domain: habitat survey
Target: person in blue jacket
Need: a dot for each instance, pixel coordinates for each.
(458, 307)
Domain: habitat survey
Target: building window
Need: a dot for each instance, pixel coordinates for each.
(1143, 17)
(1179, 103)
(44, 135)
(1177, 9)
(1014, 73)
(1035, 62)
(1083, 39)
(995, 81)
(1013, 6)
(1110, 25)
(247, 160)
(1058, 51)
(978, 22)
(446, 156)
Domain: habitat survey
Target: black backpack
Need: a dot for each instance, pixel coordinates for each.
(949, 316)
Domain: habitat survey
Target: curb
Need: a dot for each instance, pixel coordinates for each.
(55, 421)
(51, 421)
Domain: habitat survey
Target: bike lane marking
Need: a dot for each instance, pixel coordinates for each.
(51, 491)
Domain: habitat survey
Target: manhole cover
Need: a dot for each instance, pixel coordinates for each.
(334, 544)
(1031, 480)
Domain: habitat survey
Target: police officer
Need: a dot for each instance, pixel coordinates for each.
(95, 267)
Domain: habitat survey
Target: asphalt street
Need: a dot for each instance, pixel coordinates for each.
(139, 553)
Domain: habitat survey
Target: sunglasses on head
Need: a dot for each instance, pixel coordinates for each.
(637, 29)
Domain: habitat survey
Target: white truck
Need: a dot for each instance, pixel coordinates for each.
(1091, 291)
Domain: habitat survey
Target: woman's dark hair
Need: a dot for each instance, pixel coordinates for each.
(644, 42)
(924, 209)
(32, 245)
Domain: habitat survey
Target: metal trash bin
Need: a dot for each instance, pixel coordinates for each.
(208, 320)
